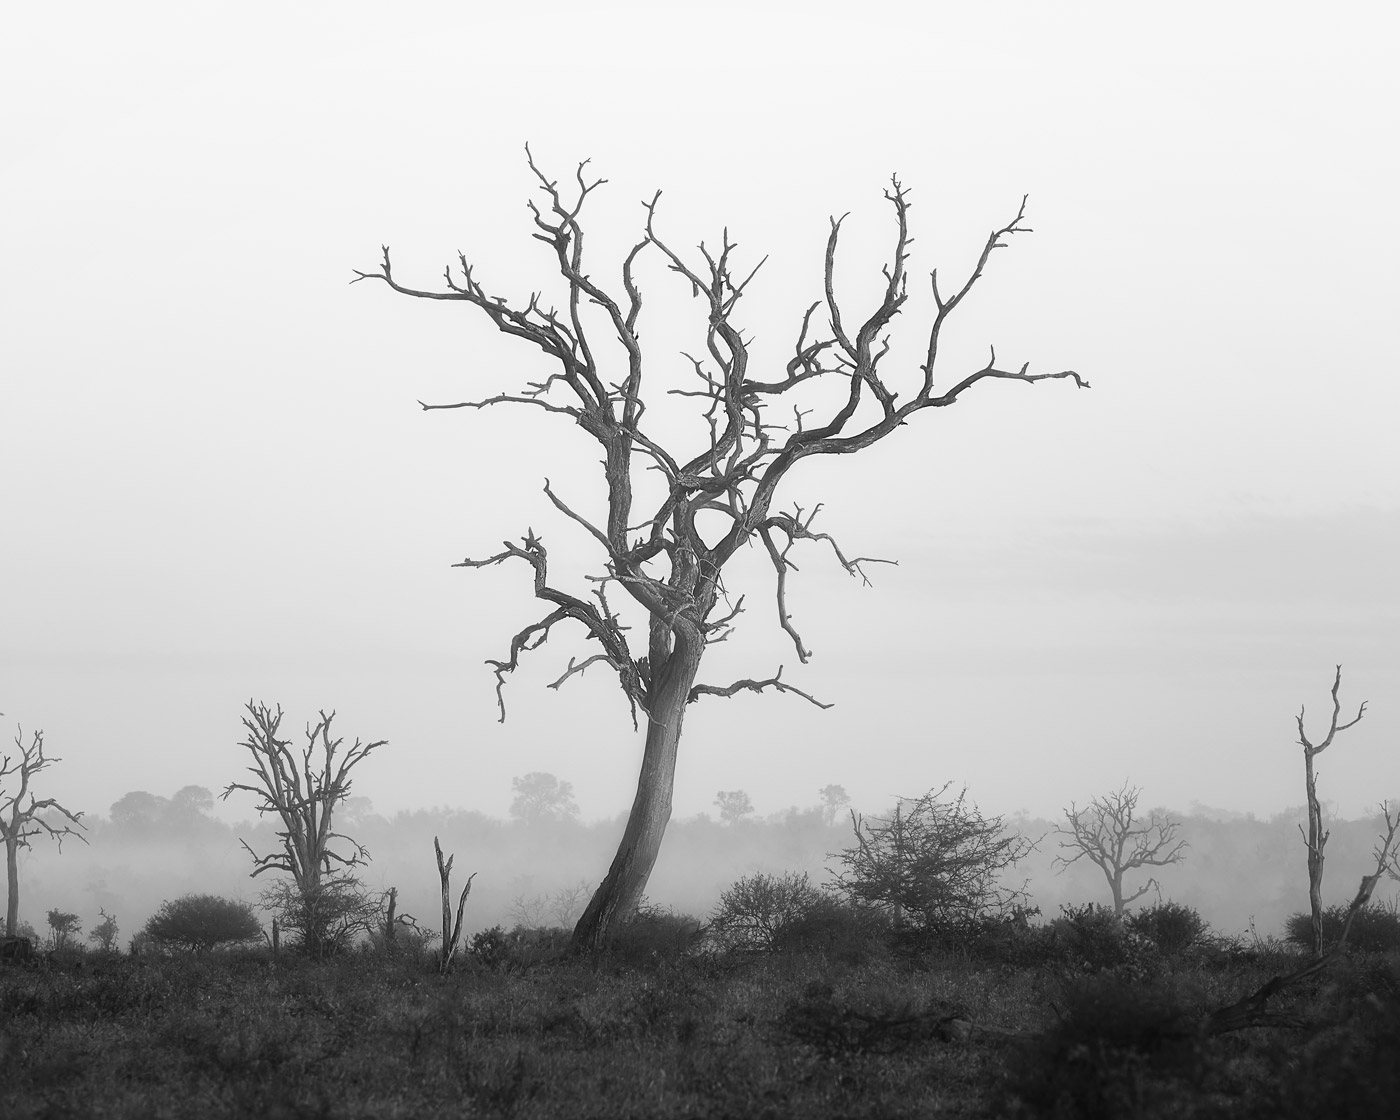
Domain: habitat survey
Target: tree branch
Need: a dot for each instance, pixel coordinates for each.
(1333, 727)
(774, 682)
(795, 528)
(600, 623)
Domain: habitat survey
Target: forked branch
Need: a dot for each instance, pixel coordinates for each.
(795, 528)
(598, 621)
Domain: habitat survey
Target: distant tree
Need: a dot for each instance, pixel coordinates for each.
(734, 805)
(1108, 833)
(104, 934)
(834, 799)
(138, 813)
(190, 808)
(304, 800)
(542, 797)
(937, 859)
(19, 823)
(200, 922)
(64, 926)
(356, 811)
(683, 500)
(1316, 837)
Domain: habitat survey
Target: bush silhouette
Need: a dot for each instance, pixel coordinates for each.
(653, 935)
(758, 910)
(1093, 938)
(200, 922)
(1373, 930)
(1172, 927)
(1120, 1049)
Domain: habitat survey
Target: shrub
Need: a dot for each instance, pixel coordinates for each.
(1121, 1048)
(1375, 929)
(757, 910)
(934, 859)
(872, 1022)
(521, 947)
(1094, 938)
(325, 919)
(1348, 1069)
(854, 935)
(408, 938)
(200, 922)
(16, 948)
(104, 934)
(64, 926)
(653, 934)
(1170, 926)
(1006, 938)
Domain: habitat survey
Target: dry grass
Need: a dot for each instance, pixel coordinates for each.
(671, 1036)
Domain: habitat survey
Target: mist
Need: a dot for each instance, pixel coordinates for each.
(1244, 874)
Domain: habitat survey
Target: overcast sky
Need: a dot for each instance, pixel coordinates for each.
(216, 483)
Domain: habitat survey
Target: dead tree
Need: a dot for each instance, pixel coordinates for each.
(1253, 1009)
(451, 934)
(1316, 837)
(304, 799)
(19, 822)
(1108, 833)
(676, 514)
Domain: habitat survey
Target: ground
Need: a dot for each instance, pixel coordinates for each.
(666, 1033)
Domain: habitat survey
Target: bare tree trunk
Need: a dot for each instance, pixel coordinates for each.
(1316, 837)
(451, 935)
(12, 880)
(901, 875)
(618, 895)
(1317, 841)
(391, 920)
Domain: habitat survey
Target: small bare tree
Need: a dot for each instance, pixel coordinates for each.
(451, 934)
(1108, 832)
(677, 511)
(1316, 836)
(304, 799)
(19, 822)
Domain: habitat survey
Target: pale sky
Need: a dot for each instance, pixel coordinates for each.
(216, 484)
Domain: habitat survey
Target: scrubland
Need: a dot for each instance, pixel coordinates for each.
(1077, 1017)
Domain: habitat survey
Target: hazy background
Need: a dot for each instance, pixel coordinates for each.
(215, 482)
(1243, 874)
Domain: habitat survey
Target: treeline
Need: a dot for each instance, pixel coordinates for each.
(539, 868)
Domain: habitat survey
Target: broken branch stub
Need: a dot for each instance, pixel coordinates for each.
(451, 933)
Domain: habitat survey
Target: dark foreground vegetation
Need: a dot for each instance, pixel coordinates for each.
(838, 1015)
